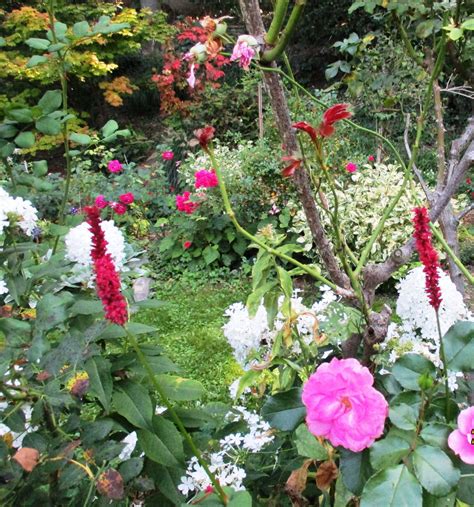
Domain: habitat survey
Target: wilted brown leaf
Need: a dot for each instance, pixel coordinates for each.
(326, 474)
(110, 484)
(43, 375)
(296, 484)
(27, 458)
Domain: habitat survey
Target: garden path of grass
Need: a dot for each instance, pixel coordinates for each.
(189, 329)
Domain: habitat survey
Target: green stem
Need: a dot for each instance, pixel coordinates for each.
(408, 45)
(10, 173)
(445, 367)
(272, 54)
(228, 208)
(277, 22)
(146, 365)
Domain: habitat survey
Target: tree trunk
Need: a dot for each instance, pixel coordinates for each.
(449, 225)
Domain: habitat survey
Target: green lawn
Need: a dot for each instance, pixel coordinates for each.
(189, 327)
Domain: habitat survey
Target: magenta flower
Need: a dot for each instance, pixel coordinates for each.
(351, 167)
(371, 158)
(127, 198)
(119, 208)
(184, 203)
(101, 202)
(167, 155)
(245, 49)
(343, 406)
(461, 441)
(191, 79)
(206, 179)
(114, 166)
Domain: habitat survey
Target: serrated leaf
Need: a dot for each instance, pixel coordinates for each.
(408, 369)
(388, 452)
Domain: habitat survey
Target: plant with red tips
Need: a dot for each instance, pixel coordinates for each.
(290, 169)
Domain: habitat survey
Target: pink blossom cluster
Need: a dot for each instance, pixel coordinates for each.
(244, 51)
(184, 203)
(119, 207)
(343, 406)
(202, 179)
(114, 166)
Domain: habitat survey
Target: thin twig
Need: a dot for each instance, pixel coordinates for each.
(417, 172)
(464, 212)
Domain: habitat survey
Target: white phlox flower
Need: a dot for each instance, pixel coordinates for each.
(26, 213)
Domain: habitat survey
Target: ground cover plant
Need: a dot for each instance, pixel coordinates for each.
(340, 373)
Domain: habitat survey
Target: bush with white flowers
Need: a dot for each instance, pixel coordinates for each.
(16, 210)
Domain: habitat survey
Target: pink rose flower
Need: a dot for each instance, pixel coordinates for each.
(114, 166)
(167, 155)
(351, 167)
(101, 202)
(127, 198)
(206, 179)
(191, 79)
(184, 203)
(119, 208)
(343, 406)
(371, 158)
(245, 49)
(461, 441)
(187, 244)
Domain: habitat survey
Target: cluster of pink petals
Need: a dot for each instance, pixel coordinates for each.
(167, 155)
(106, 276)
(370, 158)
(114, 166)
(428, 255)
(244, 51)
(184, 203)
(118, 207)
(351, 167)
(343, 406)
(205, 179)
(461, 441)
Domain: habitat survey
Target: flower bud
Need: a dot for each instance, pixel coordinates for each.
(425, 381)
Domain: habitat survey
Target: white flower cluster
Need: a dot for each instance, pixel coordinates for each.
(234, 447)
(21, 208)
(79, 245)
(251, 338)
(418, 331)
(3, 288)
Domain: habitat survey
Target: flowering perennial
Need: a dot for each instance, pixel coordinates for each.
(114, 166)
(428, 255)
(184, 203)
(244, 51)
(107, 279)
(326, 127)
(351, 167)
(127, 198)
(294, 164)
(206, 179)
(16, 210)
(167, 155)
(461, 440)
(343, 406)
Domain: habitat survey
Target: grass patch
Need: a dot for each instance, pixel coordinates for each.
(189, 328)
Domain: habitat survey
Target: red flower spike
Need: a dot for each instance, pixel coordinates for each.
(306, 127)
(428, 255)
(107, 278)
(204, 136)
(289, 171)
(331, 116)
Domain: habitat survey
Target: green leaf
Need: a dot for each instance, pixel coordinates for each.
(21, 115)
(3, 42)
(284, 411)
(40, 168)
(392, 487)
(308, 445)
(179, 388)
(459, 346)
(7, 130)
(7, 149)
(114, 331)
(133, 402)
(50, 312)
(85, 307)
(25, 140)
(465, 489)
(468, 24)
(436, 434)
(408, 369)
(155, 449)
(355, 469)
(81, 28)
(60, 29)
(388, 452)
(50, 101)
(425, 29)
(455, 33)
(35, 43)
(210, 254)
(56, 47)
(435, 501)
(36, 60)
(109, 128)
(100, 378)
(77, 138)
(246, 380)
(131, 468)
(49, 126)
(434, 470)
(403, 416)
(285, 281)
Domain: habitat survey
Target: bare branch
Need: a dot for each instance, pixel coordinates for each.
(464, 212)
(459, 145)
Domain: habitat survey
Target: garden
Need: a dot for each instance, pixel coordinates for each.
(237, 253)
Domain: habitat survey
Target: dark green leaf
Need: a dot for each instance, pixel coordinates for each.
(408, 369)
(25, 140)
(392, 487)
(85, 307)
(7, 130)
(434, 470)
(50, 101)
(403, 416)
(179, 388)
(388, 452)
(284, 411)
(130, 468)
(100, 378)
(425, 28)
(308, 445)
(48, 126)
(155, 449)
(355, 469)
(459, 346)
(435, 434)
(133, 402)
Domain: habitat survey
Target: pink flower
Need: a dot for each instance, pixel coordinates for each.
(187, 244)
(127, 198)
(118, 207)
(351, 167)
(371, 158)
(114, 166)
(184, 203)
(343, 406)
(101, 202)
(245, 49)
(206, 179)
(191, 79)
(461, 441)
(167, 155)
